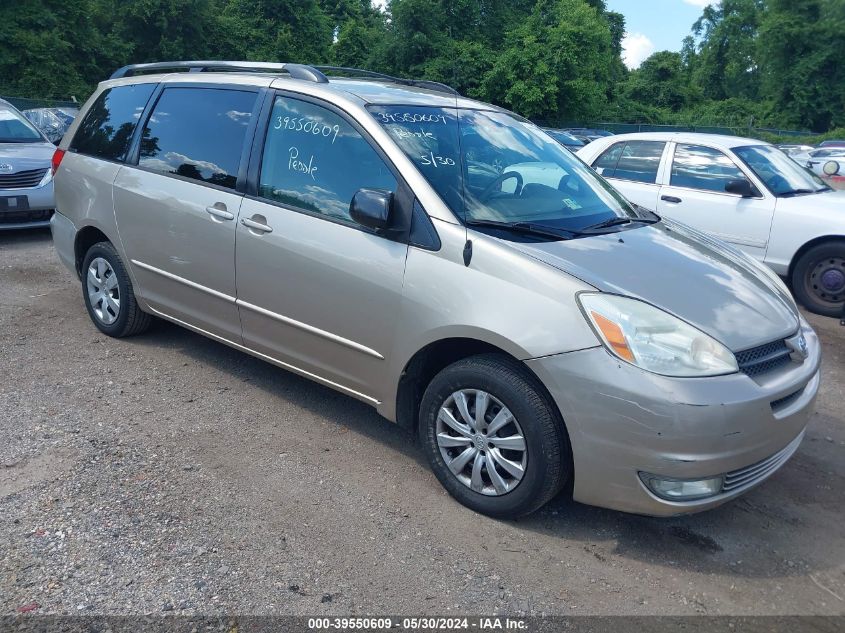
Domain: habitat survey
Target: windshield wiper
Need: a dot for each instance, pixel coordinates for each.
(619, 222)
(525, 228)
(800, 192)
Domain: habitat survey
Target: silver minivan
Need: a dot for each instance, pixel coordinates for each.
(447, 262)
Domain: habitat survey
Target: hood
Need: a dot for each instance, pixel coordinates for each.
(828, 205)
(23, 156)
(697, 278)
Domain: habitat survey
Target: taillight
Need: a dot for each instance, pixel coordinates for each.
(58, 155)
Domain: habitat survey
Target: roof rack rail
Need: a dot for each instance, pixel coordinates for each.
(297, 71)
(419, 83)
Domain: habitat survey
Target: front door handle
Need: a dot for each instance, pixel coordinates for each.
(672, 199)
(218, 210)
(257, 226)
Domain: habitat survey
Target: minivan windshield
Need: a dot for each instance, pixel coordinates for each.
(14, 128)
(782, 175)
(490, 166)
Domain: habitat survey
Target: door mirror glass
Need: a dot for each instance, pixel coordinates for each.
(740, 187)
(372, 208)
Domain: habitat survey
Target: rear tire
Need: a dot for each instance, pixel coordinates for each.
(108, 293)
(525, 473)
(818, 279)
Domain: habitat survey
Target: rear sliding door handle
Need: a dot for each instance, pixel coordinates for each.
(672, 199)
(256, 226)
(220, 212)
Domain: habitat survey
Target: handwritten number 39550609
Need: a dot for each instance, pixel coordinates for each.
(307, 126)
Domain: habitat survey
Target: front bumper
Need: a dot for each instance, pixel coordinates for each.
(623, 421)
(41, 203)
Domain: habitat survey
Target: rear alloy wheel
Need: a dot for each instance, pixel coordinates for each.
(108, 293)
(818, 279)
(493, 437)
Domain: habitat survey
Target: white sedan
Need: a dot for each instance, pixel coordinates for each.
(740, 190)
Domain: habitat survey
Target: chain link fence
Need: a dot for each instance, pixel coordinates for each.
(627, 128)
(23, 103)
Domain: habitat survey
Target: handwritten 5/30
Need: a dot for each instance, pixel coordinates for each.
(307, 126)
(437, 161)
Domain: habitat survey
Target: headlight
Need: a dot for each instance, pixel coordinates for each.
(654, 340)
(47, 178)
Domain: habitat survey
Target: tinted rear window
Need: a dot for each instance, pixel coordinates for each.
(106, 131)
(198, 133)
(636, 160)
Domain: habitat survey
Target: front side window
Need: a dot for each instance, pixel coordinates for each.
(106, 131)
(782, 175)
(638, 161)
(14, 128)
(198, 133)
(492, 166)
(705, 168)
(315, 160)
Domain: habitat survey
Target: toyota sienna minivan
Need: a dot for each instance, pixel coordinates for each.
(447, 262)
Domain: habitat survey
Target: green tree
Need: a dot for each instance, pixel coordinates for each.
(555, 62)
(660, 81)
(802, 43)
(727, 56)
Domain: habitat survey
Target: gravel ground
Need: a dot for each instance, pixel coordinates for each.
(169, 473)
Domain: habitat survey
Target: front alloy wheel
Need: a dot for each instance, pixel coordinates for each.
(481, 442)
(494, 437)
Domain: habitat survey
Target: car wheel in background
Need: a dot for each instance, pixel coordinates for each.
(818, 279)
(108, 293)
(493, 438)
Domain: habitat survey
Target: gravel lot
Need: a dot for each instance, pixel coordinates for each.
(169, 473)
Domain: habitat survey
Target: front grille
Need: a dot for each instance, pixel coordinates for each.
(757, 472)
(21, 217)
(765, 358)
(22, 179)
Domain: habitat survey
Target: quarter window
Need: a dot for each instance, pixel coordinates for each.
(699, 167)
(107, 129)
(638, 161)
(314, 160)
(198, 133)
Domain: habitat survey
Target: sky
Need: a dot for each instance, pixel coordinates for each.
(655, 25)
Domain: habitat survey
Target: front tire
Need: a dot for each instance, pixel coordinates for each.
(493, 438)
(108, 293)
(818, 279)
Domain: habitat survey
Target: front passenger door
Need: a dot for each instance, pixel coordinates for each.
(316, 290)
(696, 196)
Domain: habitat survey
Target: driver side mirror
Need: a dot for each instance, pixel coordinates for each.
(741, 187)
(372, 208)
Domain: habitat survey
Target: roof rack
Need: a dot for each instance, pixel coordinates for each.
(419, 83)
(296, 71)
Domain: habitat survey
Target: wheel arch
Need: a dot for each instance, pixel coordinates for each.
(816, 241)
(428, 361)
(85, 238)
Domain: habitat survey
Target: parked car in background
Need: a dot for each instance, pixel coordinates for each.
(565, 138)
(588, 135)
(450, 264)
(826, 161)
(53, 122)
(743, 191)
(26, 175)
(832, 143)
(795, 150)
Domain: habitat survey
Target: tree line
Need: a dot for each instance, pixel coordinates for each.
(770, 63)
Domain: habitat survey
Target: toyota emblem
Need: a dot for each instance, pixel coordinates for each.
(6, 168)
